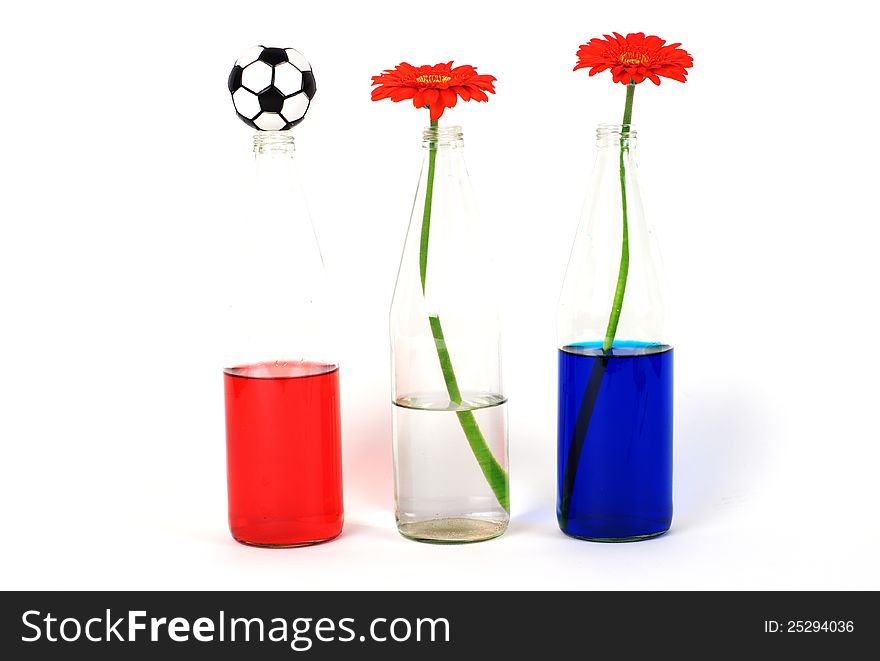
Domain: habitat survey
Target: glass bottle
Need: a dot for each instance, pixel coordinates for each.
(281, 378)
(450, 412)
(615, 402)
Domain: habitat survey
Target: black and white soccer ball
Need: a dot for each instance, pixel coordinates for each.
(272, 87)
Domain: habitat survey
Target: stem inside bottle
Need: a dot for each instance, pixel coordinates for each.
(495, 474)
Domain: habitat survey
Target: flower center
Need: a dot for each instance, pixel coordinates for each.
(433, 79)
(632, 58)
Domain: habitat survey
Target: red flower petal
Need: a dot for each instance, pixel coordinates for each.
(430, 96)
(449, 99)
(402, 93)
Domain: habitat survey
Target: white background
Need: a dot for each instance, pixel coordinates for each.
(120, 150)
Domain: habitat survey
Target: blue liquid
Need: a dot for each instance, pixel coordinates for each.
(621, 487)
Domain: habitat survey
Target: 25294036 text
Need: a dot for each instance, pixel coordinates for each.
(809, 626)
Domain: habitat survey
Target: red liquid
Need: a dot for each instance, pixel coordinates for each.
(283, 453)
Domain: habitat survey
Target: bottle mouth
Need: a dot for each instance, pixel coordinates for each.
(442, 136)
(615, 134)
(278, 142)
(604, 130)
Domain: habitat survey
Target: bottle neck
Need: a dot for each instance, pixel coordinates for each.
(276, 201)
(274, 154)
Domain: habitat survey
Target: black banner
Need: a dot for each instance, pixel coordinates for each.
(332, 625)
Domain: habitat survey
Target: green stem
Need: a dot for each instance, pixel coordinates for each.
(492, 470)
(426, 216)
(619, 291)
(495, 474)
(445, 360)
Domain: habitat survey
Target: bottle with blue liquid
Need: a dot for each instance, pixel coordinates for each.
(615, 363)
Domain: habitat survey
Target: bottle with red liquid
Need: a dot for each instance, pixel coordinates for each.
(281, 378)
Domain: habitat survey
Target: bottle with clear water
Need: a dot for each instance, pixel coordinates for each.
(450, 411)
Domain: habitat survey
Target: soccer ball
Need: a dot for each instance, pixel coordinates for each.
(271, 88)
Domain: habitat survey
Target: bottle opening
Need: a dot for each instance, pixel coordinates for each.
(442, 136)
(608, 135)
(278, 142)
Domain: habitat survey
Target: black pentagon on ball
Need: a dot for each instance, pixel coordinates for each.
(271, 99)
(273, 56)
(308, 84)
(234, 81)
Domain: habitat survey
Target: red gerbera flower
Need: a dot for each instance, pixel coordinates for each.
(437, 87)
(635, 57)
